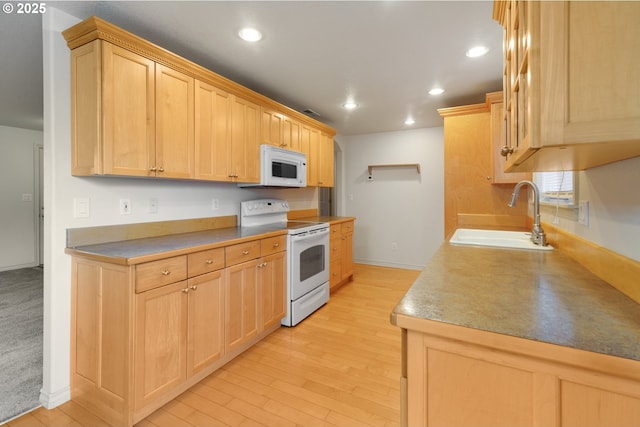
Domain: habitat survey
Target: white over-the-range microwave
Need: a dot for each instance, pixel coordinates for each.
(280, 168)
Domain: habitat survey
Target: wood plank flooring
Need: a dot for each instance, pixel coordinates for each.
(340, 367)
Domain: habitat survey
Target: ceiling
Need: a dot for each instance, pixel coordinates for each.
(385, 55)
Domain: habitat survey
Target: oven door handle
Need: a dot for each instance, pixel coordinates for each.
(310, 235)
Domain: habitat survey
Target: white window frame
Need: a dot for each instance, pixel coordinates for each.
(558, 189)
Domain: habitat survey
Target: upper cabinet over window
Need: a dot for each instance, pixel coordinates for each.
(571, 83)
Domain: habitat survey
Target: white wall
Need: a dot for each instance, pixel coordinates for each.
(399, 206)
(614, 207)
(176, 200)
(18, 195)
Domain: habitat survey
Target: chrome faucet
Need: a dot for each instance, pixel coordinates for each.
(537, 234)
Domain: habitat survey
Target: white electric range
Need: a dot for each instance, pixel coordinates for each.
(307, 255)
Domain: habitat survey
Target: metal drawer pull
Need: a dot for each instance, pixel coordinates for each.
(185, 290)
(275, 245)
(166, 272)
(262, 264)
(209, 261)
(245, 252)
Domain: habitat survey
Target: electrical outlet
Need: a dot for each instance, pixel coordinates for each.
(215, 204)
(153, 205)
(394, 246)
(583, 213)
(125, 206)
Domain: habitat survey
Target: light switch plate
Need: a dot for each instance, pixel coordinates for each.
(81, 207)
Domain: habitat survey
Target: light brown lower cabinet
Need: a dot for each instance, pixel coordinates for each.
(455, 376)
(143, 334)
(341, 253)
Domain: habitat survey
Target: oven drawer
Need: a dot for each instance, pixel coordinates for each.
(273, 244)
(205, 261)
(154, 274)
(242, 252)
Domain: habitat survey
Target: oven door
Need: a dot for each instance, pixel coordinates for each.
(308, 261)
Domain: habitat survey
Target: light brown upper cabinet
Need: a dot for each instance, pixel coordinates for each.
(280, 130)
(498, 138)
(226, 132)
(139, 110)
(570, 83)
(174, 153)
(325, 165)
(318, 146)
(130, 116)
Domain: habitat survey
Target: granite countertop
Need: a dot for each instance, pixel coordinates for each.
(135, 251)
(540, 296)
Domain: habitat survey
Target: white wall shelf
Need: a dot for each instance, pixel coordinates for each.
(395, 165)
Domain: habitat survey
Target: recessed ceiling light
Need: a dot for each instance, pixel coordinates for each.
(436, 91)
(476, 51)
(250, 34)
(409, 121)
(349, 105)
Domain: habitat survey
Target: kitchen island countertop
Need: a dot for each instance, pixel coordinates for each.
(535, 295)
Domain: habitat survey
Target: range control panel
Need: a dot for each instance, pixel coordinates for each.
(263, 207)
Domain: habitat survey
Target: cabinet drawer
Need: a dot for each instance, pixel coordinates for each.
(272, 245)
(335, 230)
(206, 261)
(347, 228)
(154, 274)
(242, 252)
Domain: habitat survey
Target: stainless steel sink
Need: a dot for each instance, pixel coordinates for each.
(496, 238)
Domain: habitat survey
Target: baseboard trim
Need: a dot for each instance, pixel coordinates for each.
(57, 398)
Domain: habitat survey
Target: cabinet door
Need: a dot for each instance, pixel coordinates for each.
(347, 255)
(206, 321)
(160, 342)
(212, 133)
(174, 124)
(241, 304)
(273, 280)
(310, 145)
(245, 141)
(325, 167)
(271, 130)
(600, 102)
(498, 138)
(128, 112)
(291, 134)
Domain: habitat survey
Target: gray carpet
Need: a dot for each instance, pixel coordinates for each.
(21, 298)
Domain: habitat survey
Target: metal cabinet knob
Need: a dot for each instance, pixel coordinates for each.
(166, 272)
(245, 252)
(506, 151)
(194, 287)
(208, 261)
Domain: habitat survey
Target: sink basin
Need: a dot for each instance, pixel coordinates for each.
(496, 238)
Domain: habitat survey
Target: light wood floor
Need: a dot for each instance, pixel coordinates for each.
(340, 367)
